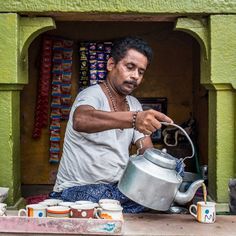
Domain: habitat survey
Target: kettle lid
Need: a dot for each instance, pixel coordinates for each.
(160, 158)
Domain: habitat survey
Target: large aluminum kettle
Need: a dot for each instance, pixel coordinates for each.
(153, 181)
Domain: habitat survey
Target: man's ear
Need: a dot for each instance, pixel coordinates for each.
(110, 64)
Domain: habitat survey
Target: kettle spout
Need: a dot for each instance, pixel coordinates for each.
(182, 198)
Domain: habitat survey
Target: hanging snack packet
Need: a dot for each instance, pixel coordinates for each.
(56, 90)
(66, 99)
(55, 124)
(66, 77)
(65, 88)
(55, 135)
(56, 102)
(55, 113)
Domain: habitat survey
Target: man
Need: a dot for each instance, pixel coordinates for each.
(104, 120)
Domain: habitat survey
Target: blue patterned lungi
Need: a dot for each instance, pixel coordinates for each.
(95, 192)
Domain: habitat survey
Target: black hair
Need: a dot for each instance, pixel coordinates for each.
(122, 45)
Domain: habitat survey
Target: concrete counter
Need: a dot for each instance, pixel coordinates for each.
(162, 224)
(176, 224)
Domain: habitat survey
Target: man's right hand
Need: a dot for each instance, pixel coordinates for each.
(148, 121)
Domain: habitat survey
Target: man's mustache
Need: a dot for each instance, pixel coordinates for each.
(133, 82)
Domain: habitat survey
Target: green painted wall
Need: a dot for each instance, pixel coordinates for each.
(223, 49)
(9, 144)
(221, 141)
(121, 6)
(8, 48)
(16, 33)
(218, 74)
(223, 115)
(9, 106)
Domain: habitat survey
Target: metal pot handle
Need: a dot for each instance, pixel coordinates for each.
(185, 133)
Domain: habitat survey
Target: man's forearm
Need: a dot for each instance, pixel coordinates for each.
(89, 120)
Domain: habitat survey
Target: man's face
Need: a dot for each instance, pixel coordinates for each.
(127, 74)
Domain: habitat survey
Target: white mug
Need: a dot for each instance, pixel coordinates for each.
(58, 211)
(109, 212)
(51, 202)
(33, 210)
(83, 210)
(82, 202)
(205, 212)
(108, 201)
(66, 204)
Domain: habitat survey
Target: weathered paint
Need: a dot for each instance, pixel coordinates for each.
(8, 48)
(121, 6)
(30, 28)
(223, 76)
(16, 34)
(212, 142)
(199, 29)
(46, 225)
(223, 49)
(221, 140)
(9, 143)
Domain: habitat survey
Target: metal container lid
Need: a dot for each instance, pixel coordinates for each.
(160, 158)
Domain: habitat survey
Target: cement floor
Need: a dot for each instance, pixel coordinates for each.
(168, 224)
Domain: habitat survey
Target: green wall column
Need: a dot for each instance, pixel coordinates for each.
(222, 109)
(9, 106)
(9, 141)
(216, 36)
(221, 140)
(16, 34)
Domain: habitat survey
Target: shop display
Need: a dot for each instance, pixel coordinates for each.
(93, 60)
(55, 83)
(55, 78)
(42, 102)
(60, 92)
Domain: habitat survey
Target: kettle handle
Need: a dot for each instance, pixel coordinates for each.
(185, 133)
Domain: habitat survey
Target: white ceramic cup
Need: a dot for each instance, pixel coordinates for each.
(43, 203)
(86, 203)
(81, 202)
(3, 209)
(51, 202)
(204, 212)
(66, 204)
(83, 210)
(58, 211)
(33, 210)
(108, 201)
(109, 211)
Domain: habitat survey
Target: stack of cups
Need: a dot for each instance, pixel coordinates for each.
(105, 209)
(47, 208)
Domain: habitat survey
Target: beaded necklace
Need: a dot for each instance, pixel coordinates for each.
(113, 103)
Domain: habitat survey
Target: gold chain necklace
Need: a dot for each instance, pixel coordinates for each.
(112, 99)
